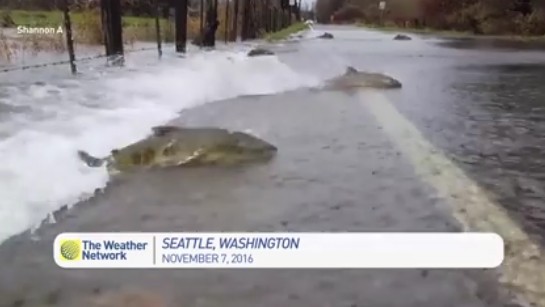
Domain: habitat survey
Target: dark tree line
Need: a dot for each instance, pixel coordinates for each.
(525, 17)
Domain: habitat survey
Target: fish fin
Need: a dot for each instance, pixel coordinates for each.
(351, 70)
(164, 130)
(90, 160)
(193, 159)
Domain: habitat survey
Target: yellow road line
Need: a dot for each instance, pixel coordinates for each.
(523, 270)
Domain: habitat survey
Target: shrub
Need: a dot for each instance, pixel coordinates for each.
(348, 13)
(532, 24)
(466, 19)
(497, 26)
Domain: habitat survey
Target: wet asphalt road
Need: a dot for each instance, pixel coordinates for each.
(320, 181)
(336, 170)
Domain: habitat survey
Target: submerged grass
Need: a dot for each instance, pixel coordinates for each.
(284, 33)
(33, 44)
(6, 51)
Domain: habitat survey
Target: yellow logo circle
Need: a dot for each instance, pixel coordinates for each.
(70, 249)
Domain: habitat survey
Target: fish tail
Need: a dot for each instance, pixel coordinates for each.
(90, 160)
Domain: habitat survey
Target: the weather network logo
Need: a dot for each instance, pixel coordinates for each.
(70, 249)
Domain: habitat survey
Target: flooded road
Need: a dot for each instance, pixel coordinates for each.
(480, 101)
(368, 161)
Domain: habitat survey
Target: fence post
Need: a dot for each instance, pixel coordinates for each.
(286, 13)
(226, 21)
(273, 19)
(256, 16)
(298, 10)
(282, 14)
(266, 15)
(201, 23)
(252, 23)
(69, 40)
(209, 38)
(244, 26)
(234, 34)
(291, 9)
(158, 27)
(264, 19)
(180, 20)
(111, 25)
(216, 21)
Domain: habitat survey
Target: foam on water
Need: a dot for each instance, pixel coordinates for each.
(40, 171)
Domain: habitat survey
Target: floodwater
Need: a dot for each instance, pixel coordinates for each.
(343, 165)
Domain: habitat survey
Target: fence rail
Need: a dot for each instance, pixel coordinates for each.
(93, 57)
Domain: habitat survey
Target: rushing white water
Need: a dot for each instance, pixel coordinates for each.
(44, 125)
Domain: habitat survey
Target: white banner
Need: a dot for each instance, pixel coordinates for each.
(278, 250)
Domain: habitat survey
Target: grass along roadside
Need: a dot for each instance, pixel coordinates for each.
(87, 30)
(87, 25)
(284, 33)
(450, 33)
(55, 18)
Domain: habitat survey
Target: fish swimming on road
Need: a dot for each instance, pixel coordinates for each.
(170, 146)
(353, 79)
(259, 52)
(402, 37)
